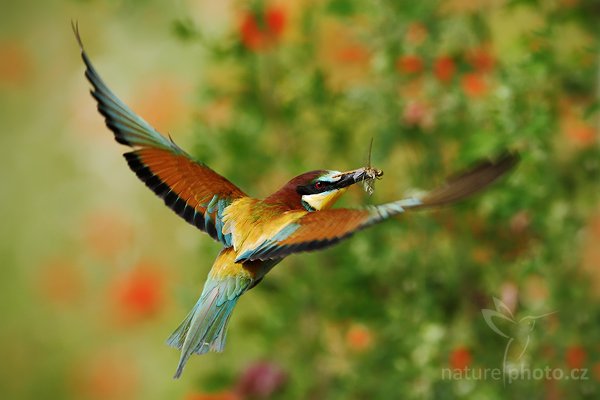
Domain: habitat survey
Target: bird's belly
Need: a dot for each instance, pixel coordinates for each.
(226, 267)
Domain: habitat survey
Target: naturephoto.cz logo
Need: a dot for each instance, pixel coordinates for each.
(518, 334)
(514, 373)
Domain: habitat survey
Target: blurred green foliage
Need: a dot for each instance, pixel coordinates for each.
(286, 87)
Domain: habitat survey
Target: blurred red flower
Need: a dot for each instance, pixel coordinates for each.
(260, 31)
(261, 379)
(353, 54)
(596, 371)
(474, 85)
(409, 64)
(460, 358)
(108, 374)
(575, 357)
(107, 233)
(418, 113)
(61, 282)
(580, 133)
(252, 36)
(444, 68)
(344, 58)
(140, 293)
(481, 59)
(16, 65)
(416, 33)
(276, 20)
(359, 337)
(162, 102)
(574, 126)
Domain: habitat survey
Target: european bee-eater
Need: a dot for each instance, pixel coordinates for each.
(256, 234)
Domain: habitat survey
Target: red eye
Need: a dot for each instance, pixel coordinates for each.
(318, 185)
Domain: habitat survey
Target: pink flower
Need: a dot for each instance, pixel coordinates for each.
(418, 113)
(261, 379)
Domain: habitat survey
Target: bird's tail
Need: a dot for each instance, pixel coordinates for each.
(205, 327)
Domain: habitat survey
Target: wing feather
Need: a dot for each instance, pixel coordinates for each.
(319, 229)
(186, 186)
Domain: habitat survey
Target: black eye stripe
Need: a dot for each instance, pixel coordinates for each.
(323, 186)
(312, 188)
(304, 190)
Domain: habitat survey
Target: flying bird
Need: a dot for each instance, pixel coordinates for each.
(255, 234)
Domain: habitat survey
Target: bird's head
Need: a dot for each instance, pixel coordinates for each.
(319, 190)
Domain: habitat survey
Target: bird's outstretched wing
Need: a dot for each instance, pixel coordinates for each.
(319, 229)
(191, 189)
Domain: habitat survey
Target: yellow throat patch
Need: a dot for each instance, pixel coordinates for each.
(323, 201)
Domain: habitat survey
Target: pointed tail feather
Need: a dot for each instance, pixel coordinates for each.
(205, 327)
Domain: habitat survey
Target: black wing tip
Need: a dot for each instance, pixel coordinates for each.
(508, 160)
(498, 165)
(97, 91)
(504, 163)
(171, 199)
(501, 164)
(75, 27)
(90, 73)
(286, 250)
(475, 179)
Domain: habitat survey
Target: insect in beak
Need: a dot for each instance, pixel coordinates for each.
(371, 173)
